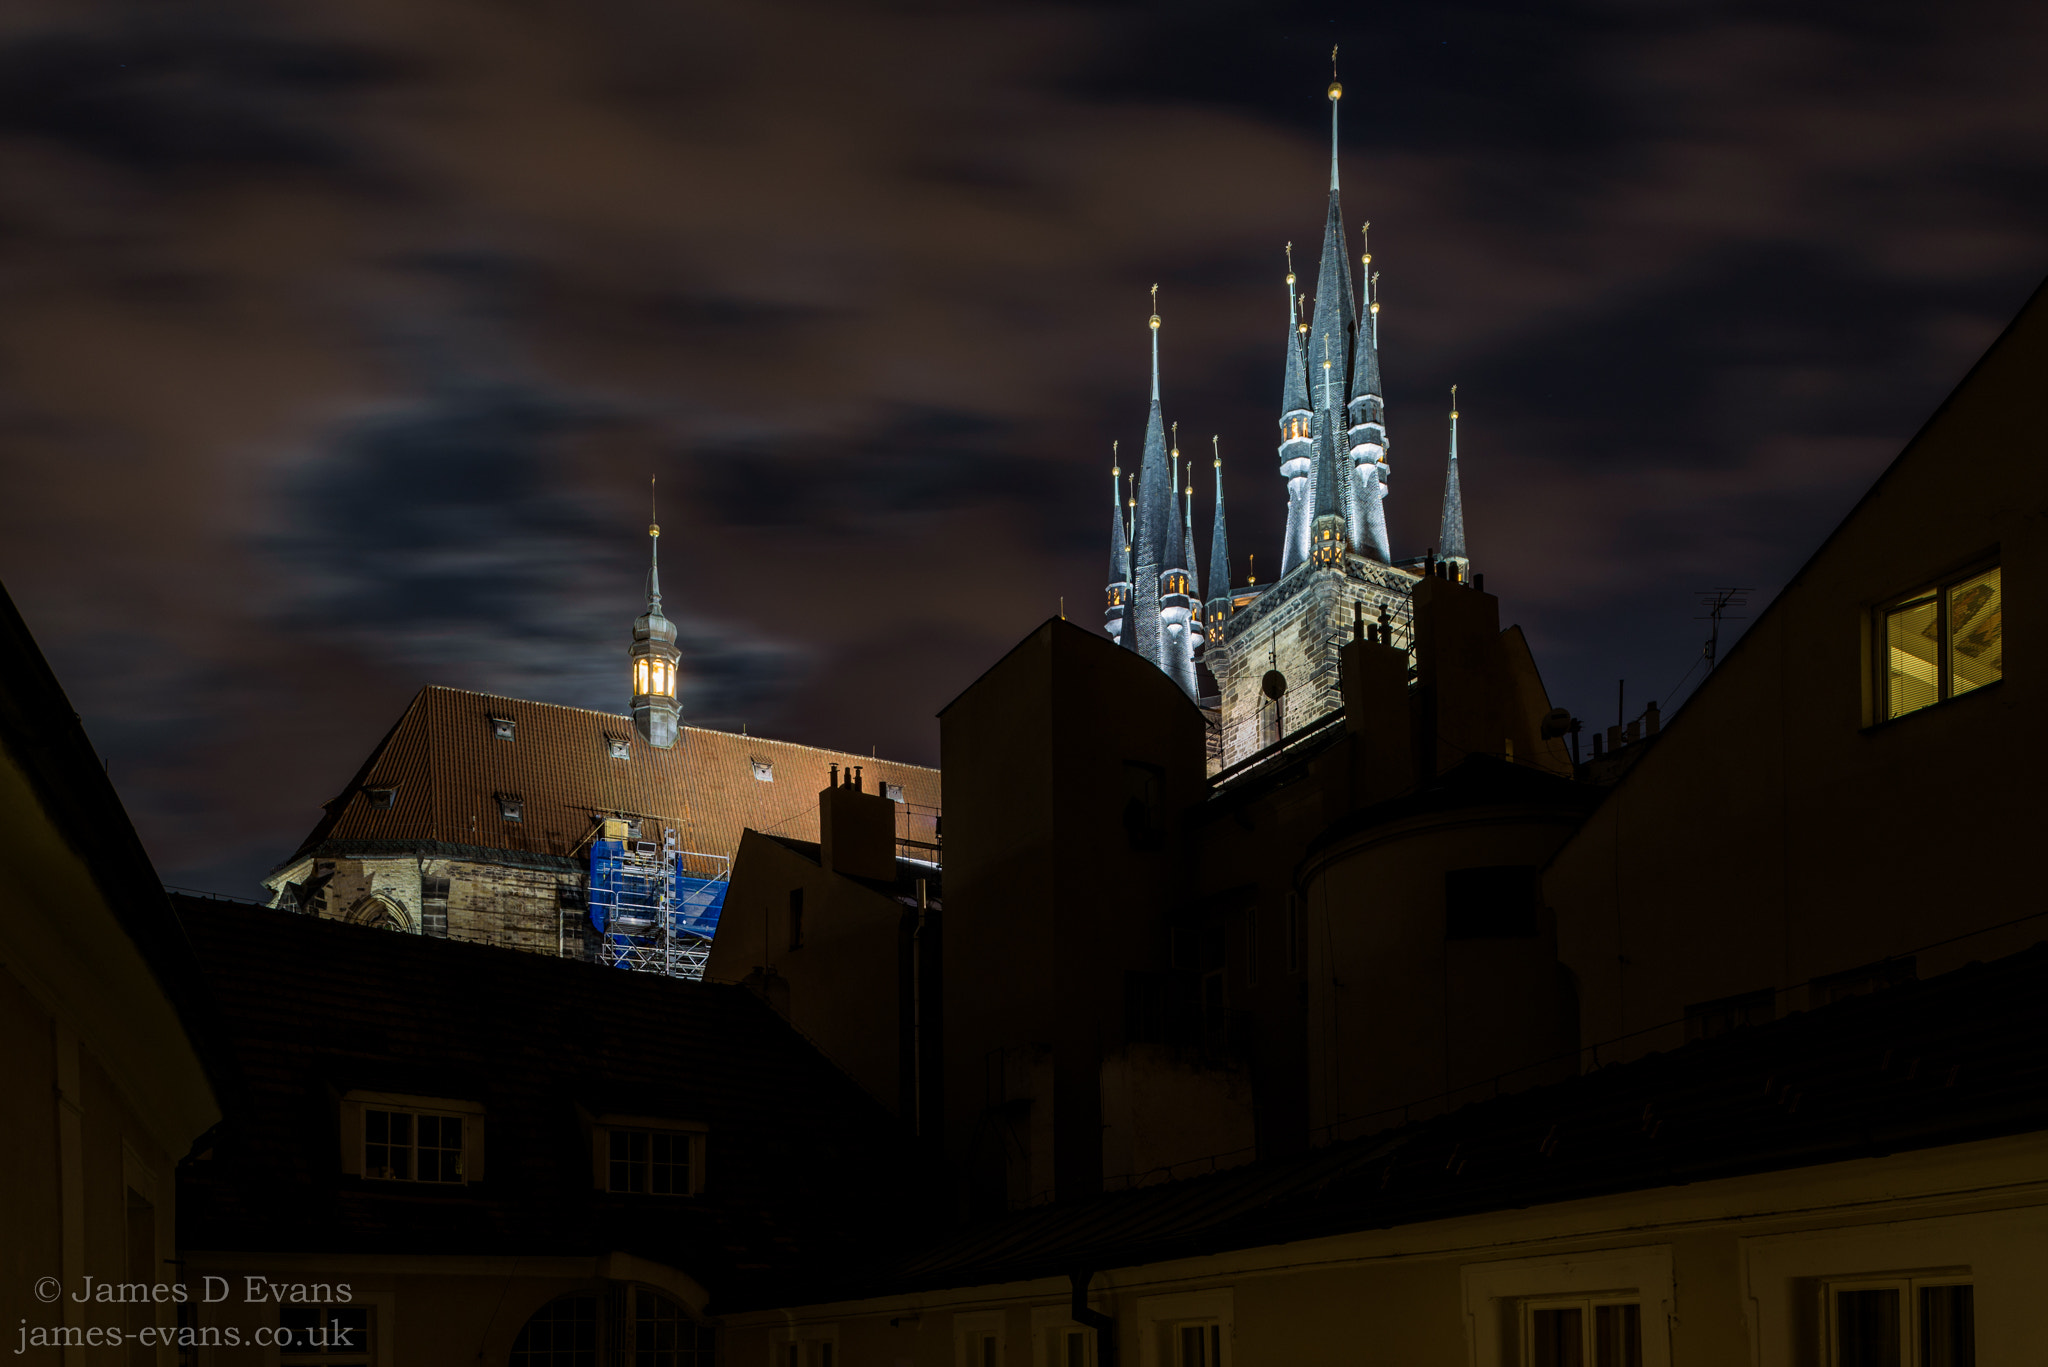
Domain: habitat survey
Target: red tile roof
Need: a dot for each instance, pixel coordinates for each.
(450, 775)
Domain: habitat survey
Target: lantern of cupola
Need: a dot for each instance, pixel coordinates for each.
(657, 712)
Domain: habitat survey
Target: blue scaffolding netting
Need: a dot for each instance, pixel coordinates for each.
(655, 908)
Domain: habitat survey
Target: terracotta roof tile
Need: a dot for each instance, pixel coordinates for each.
(450, 773)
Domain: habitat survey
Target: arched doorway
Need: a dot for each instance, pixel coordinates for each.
(621, 1324)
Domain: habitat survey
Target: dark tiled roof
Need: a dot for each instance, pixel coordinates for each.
(798, 1160)
(1954, 1059)
(447, 771)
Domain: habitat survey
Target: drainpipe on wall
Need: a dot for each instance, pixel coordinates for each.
(1103, 1325)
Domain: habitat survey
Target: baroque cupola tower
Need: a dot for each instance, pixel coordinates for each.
(657, 715)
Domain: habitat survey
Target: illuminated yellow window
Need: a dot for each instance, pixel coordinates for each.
(640, 677)
(1941, 642)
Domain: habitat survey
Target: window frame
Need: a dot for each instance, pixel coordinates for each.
(1937, 589)
(353, 1109)
(1494, 1294)
(1527, 1307)
(1908, 1285)
(603, 1127)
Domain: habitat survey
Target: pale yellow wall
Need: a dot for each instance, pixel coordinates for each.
(1726, 1272)
(101, 1090)
(1770, 835)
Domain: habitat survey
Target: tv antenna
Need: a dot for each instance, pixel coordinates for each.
(1717, 601)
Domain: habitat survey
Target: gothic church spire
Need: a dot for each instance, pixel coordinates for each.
(1451, 536)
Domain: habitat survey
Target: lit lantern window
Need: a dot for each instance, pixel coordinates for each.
(640, 677)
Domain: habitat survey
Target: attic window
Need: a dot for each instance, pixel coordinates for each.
(511, 808)
(502, 727)
(893, 791)
(380, 798)
(619, 747)
(764, 770)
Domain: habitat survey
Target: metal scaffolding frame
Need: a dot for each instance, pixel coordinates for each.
(654, 905)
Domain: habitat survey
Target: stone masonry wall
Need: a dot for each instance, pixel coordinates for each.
(1298, 626)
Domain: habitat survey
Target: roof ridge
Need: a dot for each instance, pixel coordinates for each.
(701, 730)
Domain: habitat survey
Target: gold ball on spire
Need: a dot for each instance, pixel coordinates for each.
(1290, 277)
(654, 529)
(1336, 90)
(1375, 306)
(1155, 322)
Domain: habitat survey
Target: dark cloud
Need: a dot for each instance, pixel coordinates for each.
(341, 341)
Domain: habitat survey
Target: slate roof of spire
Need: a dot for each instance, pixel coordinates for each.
(1365, 369)
(1119, 541)
(1188, 525)
(1294, 372)
(1451, 536)
(1219, 545)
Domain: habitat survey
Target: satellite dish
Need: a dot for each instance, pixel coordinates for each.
(1274, 684)
(1556, 722)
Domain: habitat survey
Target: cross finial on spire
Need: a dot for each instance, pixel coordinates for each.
(1114, 462)
(1217, 444)
(1365, 241)
(1290, 265)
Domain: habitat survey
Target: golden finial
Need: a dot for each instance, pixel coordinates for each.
(1336, 91)
(1114, 463)
(1176, 441)
(1217, 443)
(1454, 402)
(1155, 308)
(1253, 577)
(1375, 291)
(1365, 240)
(653, 516)
(1290, 266)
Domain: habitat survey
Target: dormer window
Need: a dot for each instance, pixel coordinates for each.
(618, 747)
(380, 798)
(764, 770)
(511, 807)
(893, 791)
(502, 728)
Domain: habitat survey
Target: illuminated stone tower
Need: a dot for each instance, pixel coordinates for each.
(1335, 561)
(657, 715)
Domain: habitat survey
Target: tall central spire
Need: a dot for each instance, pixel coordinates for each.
(1152, 531)
(1335, 319)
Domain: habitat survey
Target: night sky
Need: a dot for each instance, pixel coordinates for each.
(339, 341)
